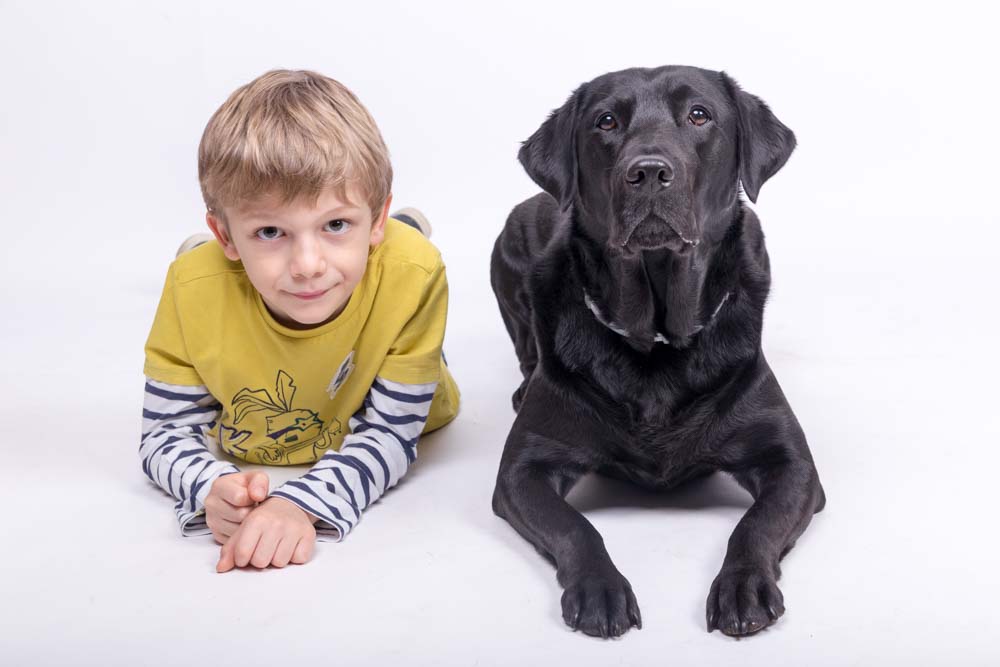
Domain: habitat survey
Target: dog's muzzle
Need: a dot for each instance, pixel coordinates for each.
(654, 206)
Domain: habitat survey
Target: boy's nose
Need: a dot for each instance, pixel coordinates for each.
(307, 261)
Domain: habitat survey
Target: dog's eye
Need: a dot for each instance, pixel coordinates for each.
(607, 122)
(698, 116)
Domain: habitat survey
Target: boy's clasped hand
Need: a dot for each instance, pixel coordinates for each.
(255, 530)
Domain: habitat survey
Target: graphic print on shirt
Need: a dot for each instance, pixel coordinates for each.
(289, 430)
(346, 366)
(231, 438)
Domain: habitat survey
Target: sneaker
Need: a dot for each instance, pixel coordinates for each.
(193, 241)
(414, 218)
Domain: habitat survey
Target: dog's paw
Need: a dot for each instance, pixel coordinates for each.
(601, 605)
(743, 601)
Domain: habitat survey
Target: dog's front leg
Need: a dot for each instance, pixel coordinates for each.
(744, 597)
(530, 495)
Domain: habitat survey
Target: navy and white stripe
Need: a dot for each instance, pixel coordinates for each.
(175, 422)
(374, 456)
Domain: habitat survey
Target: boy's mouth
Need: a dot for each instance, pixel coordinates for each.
(308, 296)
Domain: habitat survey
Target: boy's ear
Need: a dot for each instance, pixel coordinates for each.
(378, 225)
(221, 232)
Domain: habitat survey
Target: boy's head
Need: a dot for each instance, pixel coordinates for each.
(297, 182)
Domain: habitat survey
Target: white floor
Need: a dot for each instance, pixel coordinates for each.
(881, 328)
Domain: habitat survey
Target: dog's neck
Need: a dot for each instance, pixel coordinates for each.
(648, 297)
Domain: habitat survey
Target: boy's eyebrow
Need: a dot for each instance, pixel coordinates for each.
(343, 208)
(271, 215)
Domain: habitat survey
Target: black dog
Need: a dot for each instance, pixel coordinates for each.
(634, 290)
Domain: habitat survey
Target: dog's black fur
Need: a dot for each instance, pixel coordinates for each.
(642, 214)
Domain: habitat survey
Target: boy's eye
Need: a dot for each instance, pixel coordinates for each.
(338, 226)
(268, 233)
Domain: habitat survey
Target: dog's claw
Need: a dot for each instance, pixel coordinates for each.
(635, 616)
(571, 609)
(743, 601)
(600, 605)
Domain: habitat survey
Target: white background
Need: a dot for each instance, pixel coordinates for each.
(882, 230)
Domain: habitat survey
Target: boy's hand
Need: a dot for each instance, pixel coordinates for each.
(276, 533)
(231, 499)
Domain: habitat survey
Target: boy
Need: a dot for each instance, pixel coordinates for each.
(310, 332)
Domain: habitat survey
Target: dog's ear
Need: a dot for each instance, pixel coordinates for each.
(549, 155)
(764, 142)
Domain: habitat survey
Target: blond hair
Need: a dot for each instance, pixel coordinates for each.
(291, 134)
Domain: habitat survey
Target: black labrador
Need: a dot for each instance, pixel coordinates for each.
(633, 289)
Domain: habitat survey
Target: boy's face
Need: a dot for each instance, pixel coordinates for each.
(304, 258)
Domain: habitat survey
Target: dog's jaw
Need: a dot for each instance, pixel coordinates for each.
(663, 221)
(655, 233)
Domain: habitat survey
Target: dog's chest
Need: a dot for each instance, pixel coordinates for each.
(657, 421)
(648, 388)
(655, 457)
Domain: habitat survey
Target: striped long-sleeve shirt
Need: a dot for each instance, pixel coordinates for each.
(373, 457)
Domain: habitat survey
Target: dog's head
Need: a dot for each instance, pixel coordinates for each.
(651, 157)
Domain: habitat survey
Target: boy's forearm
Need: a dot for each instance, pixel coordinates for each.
(173, 450)
(372, 459)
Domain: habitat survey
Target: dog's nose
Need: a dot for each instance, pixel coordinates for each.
(653, 171)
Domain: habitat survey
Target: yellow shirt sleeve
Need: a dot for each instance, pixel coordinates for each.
(415, 356)
(167, 358)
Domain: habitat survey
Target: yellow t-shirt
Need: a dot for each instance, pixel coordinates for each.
(286, 395)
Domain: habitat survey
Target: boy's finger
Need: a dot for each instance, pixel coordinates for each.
(232, 512)
(223, 527)
(257, 487)
(303, 551)
(244, 545)
(283, 552)
(263, 553)
(226, 562)
(236, 493)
